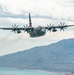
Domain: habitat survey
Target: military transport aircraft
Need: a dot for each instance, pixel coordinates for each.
(37, 31)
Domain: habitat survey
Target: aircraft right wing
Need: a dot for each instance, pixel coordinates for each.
(16, 28)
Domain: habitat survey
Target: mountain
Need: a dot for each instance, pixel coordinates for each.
(57, 56)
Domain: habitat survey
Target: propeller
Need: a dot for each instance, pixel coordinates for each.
(25, 27)
(50, 26)
(62, 26)
(14, 28)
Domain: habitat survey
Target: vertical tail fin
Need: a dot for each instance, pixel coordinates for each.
(30, 23)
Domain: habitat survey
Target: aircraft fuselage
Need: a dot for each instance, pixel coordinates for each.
(37, 32)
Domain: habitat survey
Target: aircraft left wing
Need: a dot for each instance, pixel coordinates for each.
(53, 28)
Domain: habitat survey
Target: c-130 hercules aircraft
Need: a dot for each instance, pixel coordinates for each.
(37, 31)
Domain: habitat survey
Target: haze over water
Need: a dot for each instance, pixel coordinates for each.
(10, 71)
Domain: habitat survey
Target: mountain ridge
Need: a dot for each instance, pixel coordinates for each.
(57, 56)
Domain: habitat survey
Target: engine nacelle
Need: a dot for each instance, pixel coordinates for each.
(54, 30)
(18, 31)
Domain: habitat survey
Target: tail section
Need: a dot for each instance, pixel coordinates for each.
(30, 23)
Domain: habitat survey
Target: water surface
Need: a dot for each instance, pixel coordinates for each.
(12, 71)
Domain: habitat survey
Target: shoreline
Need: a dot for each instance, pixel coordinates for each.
(49, 71)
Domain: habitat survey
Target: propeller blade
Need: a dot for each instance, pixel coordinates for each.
(62, 26)
(14, 28)
(50, 26)
(24, 28)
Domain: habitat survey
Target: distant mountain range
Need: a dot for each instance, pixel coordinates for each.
(57, 56)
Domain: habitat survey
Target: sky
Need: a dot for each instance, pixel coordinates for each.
(43, 12)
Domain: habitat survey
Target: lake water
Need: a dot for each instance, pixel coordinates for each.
(10, 71)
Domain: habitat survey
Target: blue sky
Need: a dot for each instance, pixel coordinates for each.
(43, 13)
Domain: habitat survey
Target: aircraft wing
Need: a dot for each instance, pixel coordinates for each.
(18, 29)
(13, 28)
(61, 27)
